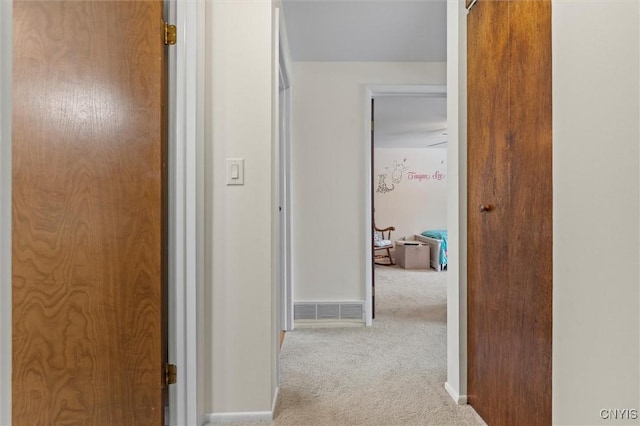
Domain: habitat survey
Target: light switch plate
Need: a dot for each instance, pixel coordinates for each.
(235, 171)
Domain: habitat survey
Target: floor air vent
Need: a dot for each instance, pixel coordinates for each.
(305, 311)
(351, 311)
(329, 311)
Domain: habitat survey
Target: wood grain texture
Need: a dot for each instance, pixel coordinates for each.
(510, 246)
(87, 213)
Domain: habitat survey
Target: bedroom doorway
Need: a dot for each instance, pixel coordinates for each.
(401, 130)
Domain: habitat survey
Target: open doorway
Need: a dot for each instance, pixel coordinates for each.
(410, 124)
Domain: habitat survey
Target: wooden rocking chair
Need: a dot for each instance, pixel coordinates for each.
(382, 245)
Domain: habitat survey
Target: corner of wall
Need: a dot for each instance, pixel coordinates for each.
(453, 393)
(239, 218)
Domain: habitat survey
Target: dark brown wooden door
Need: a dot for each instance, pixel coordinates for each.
(509, 211)
(87, 230)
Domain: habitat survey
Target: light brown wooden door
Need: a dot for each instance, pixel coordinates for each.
(509, 211)
(87, 229)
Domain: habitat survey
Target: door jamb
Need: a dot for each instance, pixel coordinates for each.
(185, 227)
(284, 173)
(371, 92)
(283, 138)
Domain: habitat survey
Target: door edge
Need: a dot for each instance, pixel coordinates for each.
(6, 18)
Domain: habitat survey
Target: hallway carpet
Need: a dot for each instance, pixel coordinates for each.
(392, 373)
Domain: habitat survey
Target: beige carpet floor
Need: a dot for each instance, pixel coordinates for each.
(390, 374)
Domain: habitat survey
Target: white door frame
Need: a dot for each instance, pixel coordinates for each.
(284, 173)
(185, 137)
(371, 92)
(456, 384)
(185, 219)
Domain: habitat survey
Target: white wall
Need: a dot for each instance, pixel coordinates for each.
(5, 212)
(328, 171)
(238, 219)
(596, 110)
(415, 198)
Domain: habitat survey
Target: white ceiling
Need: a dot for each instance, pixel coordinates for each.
(367, 30)
(410, 122)
(378, 31)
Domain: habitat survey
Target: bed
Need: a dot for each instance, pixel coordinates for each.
(437, 241)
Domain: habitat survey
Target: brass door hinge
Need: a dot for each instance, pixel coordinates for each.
(170, 34)
(170, 374)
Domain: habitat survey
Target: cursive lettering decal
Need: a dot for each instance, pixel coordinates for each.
(417, 176)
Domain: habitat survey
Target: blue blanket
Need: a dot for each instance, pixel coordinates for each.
(439, 235)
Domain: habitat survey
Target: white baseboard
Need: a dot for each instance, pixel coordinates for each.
(243, 417)
(327, 324)
(459, 399)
